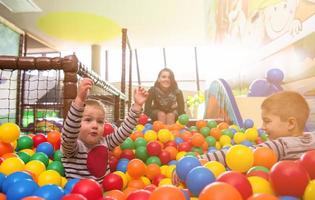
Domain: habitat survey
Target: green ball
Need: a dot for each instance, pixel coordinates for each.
(193, 128)
(24, 142)
(57, 155)
(259, 168)
(212, 124)
(197, 150)
(153, 160)
(190, 154)
(57, 166)
(183, 119)
(264, 137)
(141, 153)
(24, 156)
(127, 144)
(40, 156)
(227, 132)
(211, 141)
(205, 131)
(140, 142)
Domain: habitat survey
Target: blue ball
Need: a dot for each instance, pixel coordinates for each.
(71, 182)
(2, 179)
(247, 143)
(274, 76)
(185, 164)
(122, 165)
(49, 192)
(248, 123)
(198, 178)
(288, 198)
(178, 140)
(13, 178)
(21, 189)
(46, 148)
(172, 162)
(148, 126)
(260, 88)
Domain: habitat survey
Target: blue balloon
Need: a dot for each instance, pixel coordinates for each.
(275, 76)
(49, 192)
(198, 178)
(21, 189)
(185, 164)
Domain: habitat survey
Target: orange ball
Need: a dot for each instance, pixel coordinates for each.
(201, 123)
(216, 133)
(32, 198)
(117, 152)
(136, 183)
(3, 196)
(53, 137)
(197, 140)
(264, 156)
(152, 171)
(167, 192)
(157, 125)
(186, 136)
(136, 168)
(173, 152)
(135, 135)
(218, 191)
(5, 148)
(128, 190)
(116, 194)
(9, 155)
(223, 125)
(262, 197)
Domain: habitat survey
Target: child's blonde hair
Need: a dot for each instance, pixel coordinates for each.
(288, 104)
(95, 103)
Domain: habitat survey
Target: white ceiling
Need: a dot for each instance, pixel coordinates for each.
(150, 23)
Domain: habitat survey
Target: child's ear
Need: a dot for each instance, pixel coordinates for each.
(292, 123)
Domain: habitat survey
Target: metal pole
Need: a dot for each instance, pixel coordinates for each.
(138, 70)
(106, 65)
(164, 56)
(197, 70)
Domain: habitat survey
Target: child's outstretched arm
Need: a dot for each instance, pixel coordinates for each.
(127, 126)
(71, 127)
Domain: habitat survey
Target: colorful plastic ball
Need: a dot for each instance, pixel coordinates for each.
(39, 138)
(122, 165)
(307, 160)
(260, 88)
(73, 197)
(140, 142)
(263, 197)
(89, 188)
(251, 134)
(57, 155)
(219, 191)
(49, 192)
(71, 182)
(54, 138)
(152, 170)
(289, 178)
(112, 181)
(164, 135)
(108, 129)
(258, 173)
(239, 158)
(150, 135)
(260, 185)
(139, 195)
(237, 180)
(127, 144)
(154, 148)
(143, 119)
(184, 146)
(36, 167)
(275, 76)
(57, 166)
(141, 153)
(212, 124)
(9, 132)
(41, 157)
(10, 165)
(205, 131)
(5, 148)
(128, 154)
(198, 178)
(167, 192)
(49, 177)
(24, 156)
(183, 119)
(165, 157)
(309, 192)
(264, 156)
(11, 179)
(21, 188)
(33, 198)
(215, 167)
(24, 142)
(46, 148)
(288, 198)
(136, 168)
(184, 165)
(153, 160)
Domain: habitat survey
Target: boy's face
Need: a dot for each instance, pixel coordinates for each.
(274, 126)
(92, 125)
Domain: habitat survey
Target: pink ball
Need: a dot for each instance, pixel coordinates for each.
(112, 182)
(237, 180)
(139, 195)
(154, 148)
(89, 188)
(289, 178)
(307, 160)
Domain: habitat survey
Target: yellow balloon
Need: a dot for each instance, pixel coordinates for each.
(10, 165)
(49, 177)
(239, 158)
(309, 193)
(215, 167)
(260, 185)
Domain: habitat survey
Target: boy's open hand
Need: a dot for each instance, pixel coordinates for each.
(140, 96)
(83, 91)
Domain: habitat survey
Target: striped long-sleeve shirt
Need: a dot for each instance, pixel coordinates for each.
(286, 148)
(76, 153)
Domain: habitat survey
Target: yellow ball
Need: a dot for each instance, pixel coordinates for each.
(139, 127)
(225, 140)
(150, 135)
(239, 158)
(239, 137)
(63, 181)
(145, 180)
(123, 177)
(164, 135)
(49, 177)
(260, 185)
(218, 145)
(36, 167)
(309, 192)
(165, 181)
(163, 169)
(180, 154)
(251, 134)
(215, 167)
(9, 132)
(10, 165)
(169, 171)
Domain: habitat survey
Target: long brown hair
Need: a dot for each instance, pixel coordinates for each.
(172, 77)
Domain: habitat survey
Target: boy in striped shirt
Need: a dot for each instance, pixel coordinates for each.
(85, 150)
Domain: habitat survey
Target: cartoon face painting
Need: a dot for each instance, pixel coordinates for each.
(280, 19)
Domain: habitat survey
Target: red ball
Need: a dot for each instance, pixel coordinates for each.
(171, 143)
(289, 178)
(112, 182)
(154, 148)
(39, 138)
(107, 198)
(143, 119)
(237, 180)
(127, 153)
(184, 146)
(165, 157)
(150, 187)
(113, 161)
(89, 188)
(156, 180)
(139, 195)
(307, 160)
(259, 173)
(73, 197)
(108, 129)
